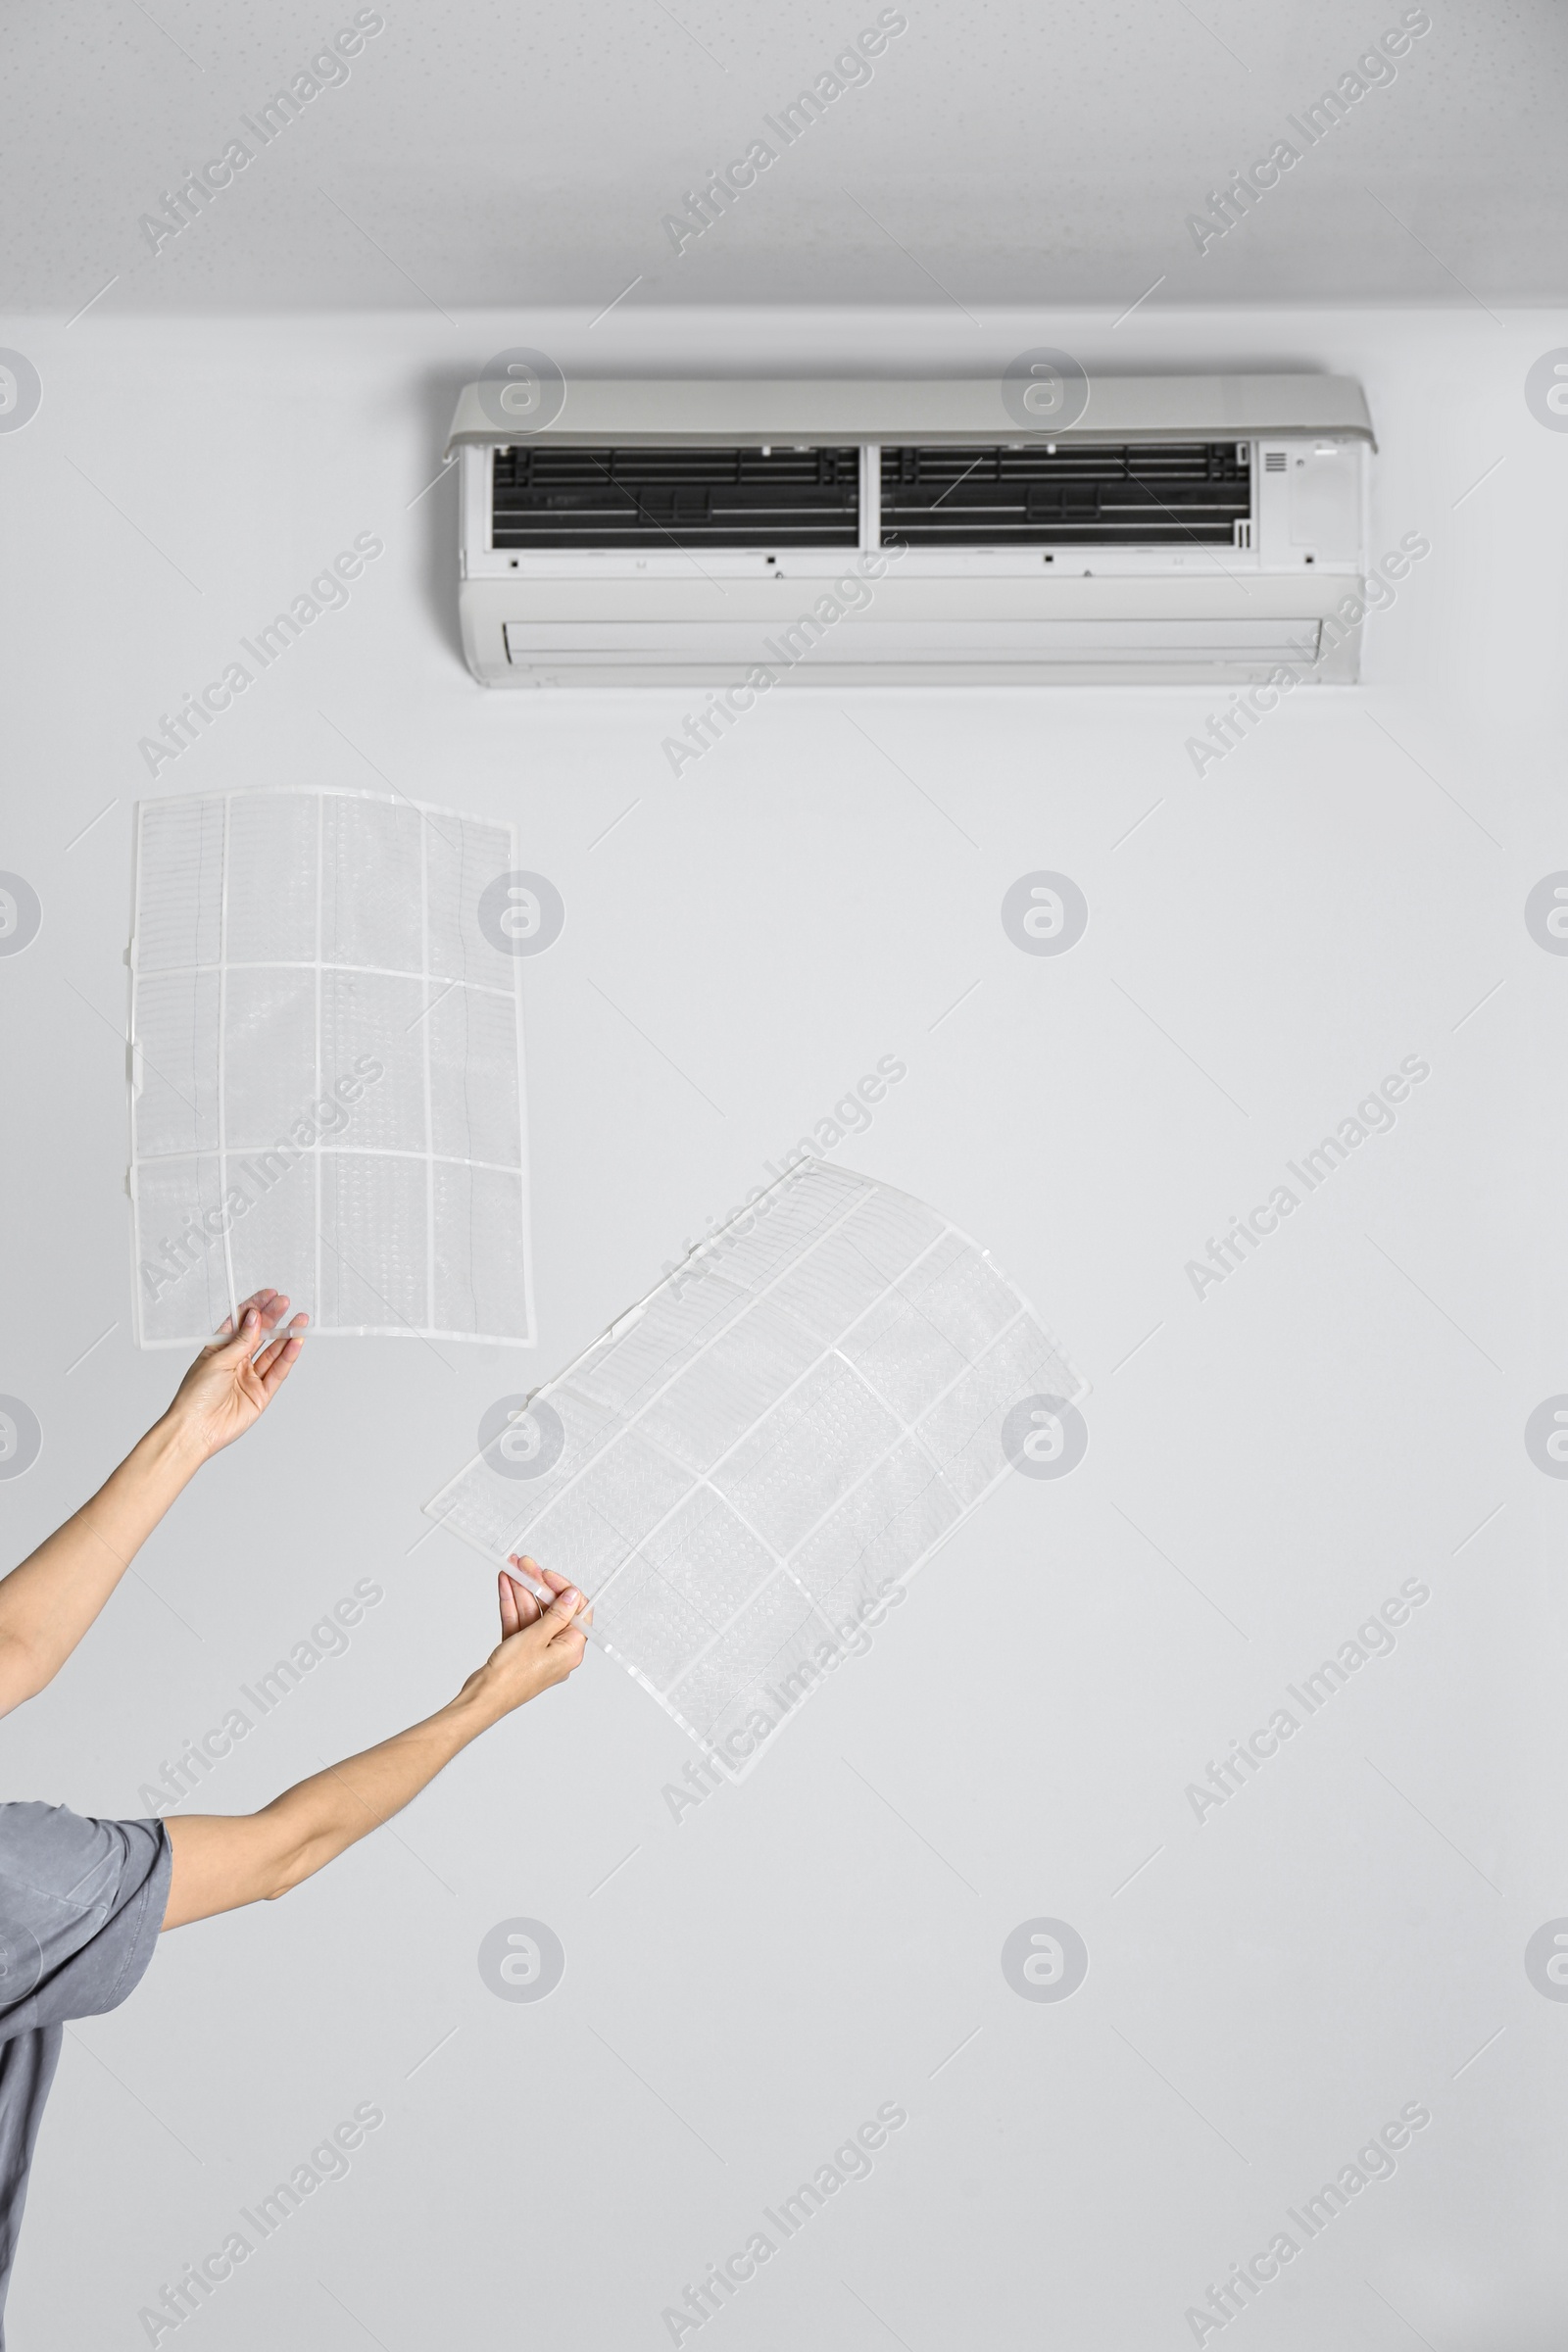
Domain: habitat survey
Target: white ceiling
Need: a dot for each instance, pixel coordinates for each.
(501, 156)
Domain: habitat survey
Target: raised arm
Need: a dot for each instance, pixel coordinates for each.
(223, 1861)
(49, 1601)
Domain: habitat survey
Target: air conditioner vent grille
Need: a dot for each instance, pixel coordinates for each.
(683, 498)
(1149, 494)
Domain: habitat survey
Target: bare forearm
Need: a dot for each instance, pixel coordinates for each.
(49, 1601)
(222, 1862)
(314, 1822)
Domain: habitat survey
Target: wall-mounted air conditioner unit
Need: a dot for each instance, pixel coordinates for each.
(1184, 530)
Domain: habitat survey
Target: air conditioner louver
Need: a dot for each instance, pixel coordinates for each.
(901, 649)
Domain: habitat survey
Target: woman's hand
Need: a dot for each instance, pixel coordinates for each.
(539, 1646)
(235, 1378)
(48, 1603)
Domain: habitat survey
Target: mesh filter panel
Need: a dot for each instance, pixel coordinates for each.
(760, 1452)
(326, 1070)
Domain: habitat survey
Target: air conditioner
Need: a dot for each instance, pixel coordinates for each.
(1181, 530)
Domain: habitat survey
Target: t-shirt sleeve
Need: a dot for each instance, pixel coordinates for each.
(82, 1903)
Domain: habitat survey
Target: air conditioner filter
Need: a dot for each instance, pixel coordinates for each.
(746, 1466)
(327, 1069)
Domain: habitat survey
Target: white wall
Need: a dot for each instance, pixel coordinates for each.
(1273, 1461)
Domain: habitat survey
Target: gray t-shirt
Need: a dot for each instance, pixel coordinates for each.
(81, 1903)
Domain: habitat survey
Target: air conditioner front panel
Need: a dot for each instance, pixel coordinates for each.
(907, 633)
(619, 412)
(767, 606)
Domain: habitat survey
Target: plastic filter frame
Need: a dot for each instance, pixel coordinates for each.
(748, 1464)
(327, 1069)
